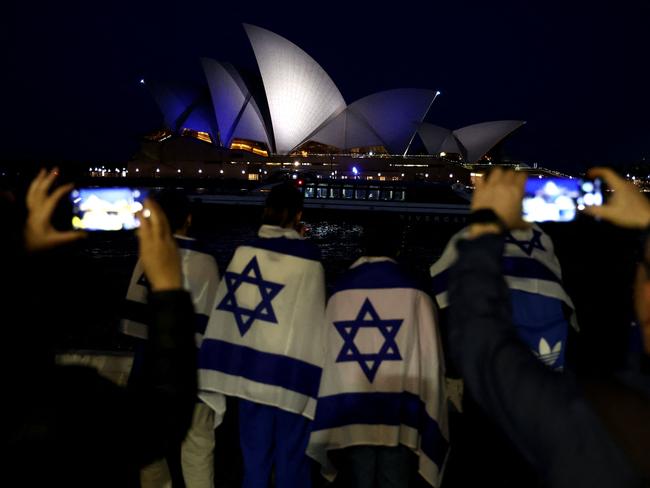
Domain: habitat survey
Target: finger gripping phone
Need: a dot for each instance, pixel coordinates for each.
(559, 199)
(106, 209)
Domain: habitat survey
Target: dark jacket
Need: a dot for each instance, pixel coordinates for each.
(71, 427)
(544, 414)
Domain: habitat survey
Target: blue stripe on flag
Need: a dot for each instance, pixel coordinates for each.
(136, 311)
(294, 247)
(383, 409)
(440, 282)
(527, 268)
(201, 322)
(263, 367)
(193, 245)
(384, 274)
(518, 267)
(139, 312)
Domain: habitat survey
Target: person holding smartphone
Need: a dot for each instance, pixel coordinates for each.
(67, 425)
(200, 279)
(574, 433)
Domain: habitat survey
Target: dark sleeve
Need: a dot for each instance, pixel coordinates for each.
(164, 399)
(542, 412)
(81, 425)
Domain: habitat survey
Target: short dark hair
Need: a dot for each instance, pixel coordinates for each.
(381, 236)
(176, 206)
(284, 202)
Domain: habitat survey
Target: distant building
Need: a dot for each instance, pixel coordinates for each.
(293, 111)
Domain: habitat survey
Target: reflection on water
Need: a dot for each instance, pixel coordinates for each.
(107, 260)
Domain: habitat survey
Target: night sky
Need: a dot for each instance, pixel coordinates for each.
(578, 73)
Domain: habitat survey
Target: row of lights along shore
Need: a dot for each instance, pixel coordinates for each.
(356, 174)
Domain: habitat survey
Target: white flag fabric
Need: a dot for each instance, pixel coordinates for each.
(200, 279)
(382, 381)
(263, 341)
(534, 277)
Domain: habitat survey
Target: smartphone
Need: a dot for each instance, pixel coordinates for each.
(559, 199)
(95, 209)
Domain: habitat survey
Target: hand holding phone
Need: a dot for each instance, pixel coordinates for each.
(40, 234)
(627, 207)
(104, 209)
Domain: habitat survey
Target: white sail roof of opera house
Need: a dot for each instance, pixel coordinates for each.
(471, 142)
(300, 94)
(238, 115)
(292, 101)
(389, 118)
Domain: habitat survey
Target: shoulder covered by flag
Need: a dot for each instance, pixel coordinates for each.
(529, 265)
(541, 308)
(382, 380)
(263, 342)
(200, 278)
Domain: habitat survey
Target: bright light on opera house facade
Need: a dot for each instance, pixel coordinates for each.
(291, 115)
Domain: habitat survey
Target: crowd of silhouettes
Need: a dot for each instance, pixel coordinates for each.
(373, 380)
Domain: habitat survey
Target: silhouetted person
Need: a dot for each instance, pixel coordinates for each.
(200, 279)
(382, 406)
(593, 433)
(264, 346)
(66, 425)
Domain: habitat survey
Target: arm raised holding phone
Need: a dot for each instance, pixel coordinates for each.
(79, 428)
(560, 429)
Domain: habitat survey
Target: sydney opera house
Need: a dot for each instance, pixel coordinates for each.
(290, 115)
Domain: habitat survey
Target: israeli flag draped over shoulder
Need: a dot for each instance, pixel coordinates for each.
(200, 278)
(383, 376)
(263, 341)
(540, 304)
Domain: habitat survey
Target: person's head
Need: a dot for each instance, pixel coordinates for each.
(382, 236)
(283, 206)
(177, 208)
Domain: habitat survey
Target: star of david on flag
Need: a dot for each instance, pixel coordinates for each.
(369, 362)
(527, 246)
(263, 310)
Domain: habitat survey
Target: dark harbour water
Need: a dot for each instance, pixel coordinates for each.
(98, 269)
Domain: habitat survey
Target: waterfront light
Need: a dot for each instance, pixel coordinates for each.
(451, 175)
(142, 81)
(221, 171)
(157, 170)
(426, 175)
(200, 171)
(443, 154)
(178, 170)
(402, 175)
(137, 170)
(243, 172)
(355, 170)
